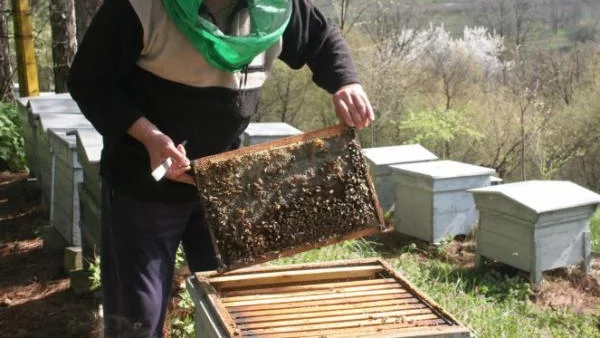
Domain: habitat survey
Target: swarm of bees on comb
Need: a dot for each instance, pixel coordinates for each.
(263, 202)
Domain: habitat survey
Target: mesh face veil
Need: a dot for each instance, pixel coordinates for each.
(268, 20)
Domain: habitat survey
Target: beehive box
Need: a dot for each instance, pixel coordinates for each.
(380, 159)
(30, 108)
(67, 174)
(261, 132)
(279, 198)
(356, 298)
(42, 149)
(432, 202)
(89, 149)
(535, 225)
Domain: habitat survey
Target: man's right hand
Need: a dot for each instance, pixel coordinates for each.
(160, 147)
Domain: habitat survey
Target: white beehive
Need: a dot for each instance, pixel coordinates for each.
(432, 202)
(89, 149)
(380, 159)
(42, 149)
(66, 175)
(267, 131)
(535, 225)
(29, 109)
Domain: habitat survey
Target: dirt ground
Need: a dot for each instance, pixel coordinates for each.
(35, 298)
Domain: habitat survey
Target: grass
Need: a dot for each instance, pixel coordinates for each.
(490, 303)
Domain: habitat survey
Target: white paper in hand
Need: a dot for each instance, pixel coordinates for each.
(161, 170)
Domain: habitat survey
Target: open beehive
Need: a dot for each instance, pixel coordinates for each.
(283, 197)
(356, 298)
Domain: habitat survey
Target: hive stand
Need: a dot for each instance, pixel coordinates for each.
(432, 202)
(535, 225)
(380, 159)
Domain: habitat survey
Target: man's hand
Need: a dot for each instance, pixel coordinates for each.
(160, 147)
(353, 107)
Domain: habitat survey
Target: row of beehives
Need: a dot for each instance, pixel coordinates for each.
(63, 153)
(532, 225)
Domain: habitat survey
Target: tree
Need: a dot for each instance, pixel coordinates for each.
(347, 16)
(84, 12)
(64, 42)
(6, 92)
(509, 18)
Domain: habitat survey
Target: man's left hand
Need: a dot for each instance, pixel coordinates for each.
(353, 107)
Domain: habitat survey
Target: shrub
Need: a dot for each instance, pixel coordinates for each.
(12, 146)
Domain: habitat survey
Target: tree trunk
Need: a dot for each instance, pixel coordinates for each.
(6, 92)
(84, 12)
(64, 42)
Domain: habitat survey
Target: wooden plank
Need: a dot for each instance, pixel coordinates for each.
(252, 270)
(423, 297)
(409, 332)
(317, 297)
(307, 287)
(326, 291)
(424, 320)
(319, 313)
(334, 307)
(321, 302)
(296, 276)
(381, 317)
(227, 320)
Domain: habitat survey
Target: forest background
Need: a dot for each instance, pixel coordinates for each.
(508, 84)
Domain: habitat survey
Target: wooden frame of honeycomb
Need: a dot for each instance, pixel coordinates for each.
(287, 196)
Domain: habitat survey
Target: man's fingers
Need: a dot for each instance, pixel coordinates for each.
(177, 155)
(183, 178)
(342, 111)
(181, 148)
(351, 102)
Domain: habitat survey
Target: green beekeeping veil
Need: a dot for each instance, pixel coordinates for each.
(268, 20)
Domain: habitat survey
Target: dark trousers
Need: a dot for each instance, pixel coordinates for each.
(139, 243)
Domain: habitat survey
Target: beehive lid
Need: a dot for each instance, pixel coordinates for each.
(382, 157)
(53, 104)
(286, 196)
(442, 169)
(271, 129)
(544, 196)
(365, 298)
(90, 144)
(64, 121)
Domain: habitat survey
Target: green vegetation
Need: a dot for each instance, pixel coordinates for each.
(595, 230)
(12, 150)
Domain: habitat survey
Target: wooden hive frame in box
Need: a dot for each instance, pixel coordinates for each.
(287, 196)
(355, 298)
